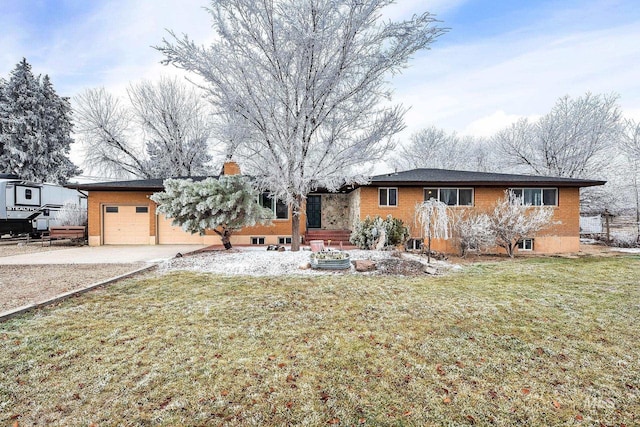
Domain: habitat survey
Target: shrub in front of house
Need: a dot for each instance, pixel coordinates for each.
(367, 233)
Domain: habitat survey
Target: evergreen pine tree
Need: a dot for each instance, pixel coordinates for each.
(35, 128)
(3, 103)
(56, 123)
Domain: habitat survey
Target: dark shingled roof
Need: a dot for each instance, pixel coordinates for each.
(134, 185)
(454, 177)
(421, 177)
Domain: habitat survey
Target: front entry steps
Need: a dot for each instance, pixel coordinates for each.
(336, 236)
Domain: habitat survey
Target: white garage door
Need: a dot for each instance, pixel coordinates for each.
(126, 225)
(169, 234)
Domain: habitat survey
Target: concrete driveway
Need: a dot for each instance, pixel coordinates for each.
(123, 254)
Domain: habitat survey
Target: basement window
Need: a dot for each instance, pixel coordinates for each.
(284, 240)
(414, 244)
(525, 245)
(257, 240)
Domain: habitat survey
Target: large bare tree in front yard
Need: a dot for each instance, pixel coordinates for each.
(304, 82)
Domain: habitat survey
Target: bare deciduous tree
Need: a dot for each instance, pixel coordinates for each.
(163, 133)
(569, 141)
(631, 146)
(435, 148)
(304, 80)
(472, 230)
(433, 216)
(512, 221)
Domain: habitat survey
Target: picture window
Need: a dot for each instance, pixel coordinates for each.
(450, 196)
(535, 196)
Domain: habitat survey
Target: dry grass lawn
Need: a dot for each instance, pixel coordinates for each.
(544, 341)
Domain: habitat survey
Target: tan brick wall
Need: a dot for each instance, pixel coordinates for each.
(562, 236)
(98, 199)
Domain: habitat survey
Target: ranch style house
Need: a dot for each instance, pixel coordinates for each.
(121, 213)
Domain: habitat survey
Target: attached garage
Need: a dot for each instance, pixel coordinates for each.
(125, 225)
(169, 234)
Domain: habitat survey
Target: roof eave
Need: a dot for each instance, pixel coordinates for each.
(524, 183)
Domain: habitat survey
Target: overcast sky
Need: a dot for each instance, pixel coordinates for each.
(500, 60)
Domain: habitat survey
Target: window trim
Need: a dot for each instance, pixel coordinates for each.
(387, 198)
(522, 189)
(457, 205)
(522, 246)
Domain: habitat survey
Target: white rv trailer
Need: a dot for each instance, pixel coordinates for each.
(29, 207)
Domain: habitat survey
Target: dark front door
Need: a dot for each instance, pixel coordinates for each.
(314, 211)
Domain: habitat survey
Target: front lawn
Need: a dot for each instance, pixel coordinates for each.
(544, 341)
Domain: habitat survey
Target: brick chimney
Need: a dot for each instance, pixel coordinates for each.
(230, 168)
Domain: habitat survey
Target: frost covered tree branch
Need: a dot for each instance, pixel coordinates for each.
(570, 141)
(511, 221)
(163, 132)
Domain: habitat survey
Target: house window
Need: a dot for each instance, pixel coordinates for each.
(525, 245)
(279, 208)
(414, 244)
(111, 209)
(536, 196)
(450, 196)
(142, 209)
(284, 240)
(388, 196)
(257, 240)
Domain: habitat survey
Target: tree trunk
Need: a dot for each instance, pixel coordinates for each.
(225, 236)
(295, 224)
(510, 249)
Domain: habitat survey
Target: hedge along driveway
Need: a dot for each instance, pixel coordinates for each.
(525, 342)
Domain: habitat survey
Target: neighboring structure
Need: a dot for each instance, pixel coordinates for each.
(122, 213)
(31, 207)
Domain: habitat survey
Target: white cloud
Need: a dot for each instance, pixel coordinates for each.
(458, 85)
(488, 125)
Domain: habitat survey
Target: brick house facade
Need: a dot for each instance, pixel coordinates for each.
(115, 208)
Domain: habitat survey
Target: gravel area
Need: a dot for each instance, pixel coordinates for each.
(9, 249)
(260, 262)
(25, 284)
